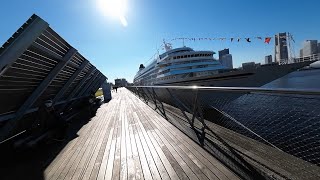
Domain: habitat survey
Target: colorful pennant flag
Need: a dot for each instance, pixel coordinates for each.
(267, 40)
(248, 39)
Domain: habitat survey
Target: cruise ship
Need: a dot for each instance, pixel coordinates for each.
(185, 66)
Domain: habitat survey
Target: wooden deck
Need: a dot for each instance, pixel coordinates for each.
(128, 140)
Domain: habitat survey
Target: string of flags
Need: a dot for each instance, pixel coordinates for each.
(267, 40)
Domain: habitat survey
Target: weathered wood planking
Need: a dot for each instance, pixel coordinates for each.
(128, 140)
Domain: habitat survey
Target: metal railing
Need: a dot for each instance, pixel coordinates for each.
(257, 132)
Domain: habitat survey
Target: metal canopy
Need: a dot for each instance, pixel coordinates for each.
(36, 65)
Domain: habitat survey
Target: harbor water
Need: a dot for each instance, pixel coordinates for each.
(292, 123)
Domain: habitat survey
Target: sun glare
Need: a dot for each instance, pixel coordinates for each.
(114, 9)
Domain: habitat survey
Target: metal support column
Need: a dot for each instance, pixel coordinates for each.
(36, 94)
(70, 81)
(96, 87)
(89, 84)
(77, 88)
(93, 85)
(22, 42)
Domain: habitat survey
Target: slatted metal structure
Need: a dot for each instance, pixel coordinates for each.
(36, 65)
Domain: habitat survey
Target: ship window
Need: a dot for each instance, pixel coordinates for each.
(197, 55)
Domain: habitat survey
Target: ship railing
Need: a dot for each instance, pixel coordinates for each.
(313, 57)
(262, 131)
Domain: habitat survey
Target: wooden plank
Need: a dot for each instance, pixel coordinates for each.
(110, 164)
(130, 161)
(128, 140)
(100, 164)
(135, 155)
(158, 161)
(68, 170)
(123, 153)
(156, 149)
(212, 163)
(197, 158)
(117, 156)
(103, 165)
(65, 152)
(151, 162)
(90, 150)
(202, 169)
(105, 133)
(180, 160)
(66, 157)
(178, 135)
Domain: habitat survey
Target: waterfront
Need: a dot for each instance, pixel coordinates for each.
(307, 79)
(289, 122)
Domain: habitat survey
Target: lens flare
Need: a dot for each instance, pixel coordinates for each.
(114, 9)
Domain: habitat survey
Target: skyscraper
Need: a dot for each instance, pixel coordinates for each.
(223, 52)
(310, 47)
(281, 48)
(318, 48)
(226, 61)
(301, 53)
(268, 59)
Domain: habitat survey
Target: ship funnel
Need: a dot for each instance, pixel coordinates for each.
(141, 67)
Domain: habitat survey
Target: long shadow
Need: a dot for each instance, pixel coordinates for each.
(31, 162)
(226, 154)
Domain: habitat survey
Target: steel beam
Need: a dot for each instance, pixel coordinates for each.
(47, 51)
(36, 94)
(77, 88)
(71, 96)
(93, 80)
(22, 42)
(91, 88)
(70, 81)
(96, 86)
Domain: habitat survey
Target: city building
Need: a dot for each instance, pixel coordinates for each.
(223, 52)
(268, 59)
(226, 61)
(120, 82)
(301, 52)
(248, 65)
(310, 47)
(318, 48)
(281, 48)
(225, 58)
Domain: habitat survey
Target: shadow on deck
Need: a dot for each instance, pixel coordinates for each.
(30, 163)
(125, 140)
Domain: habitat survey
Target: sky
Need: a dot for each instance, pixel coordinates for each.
(117, 48)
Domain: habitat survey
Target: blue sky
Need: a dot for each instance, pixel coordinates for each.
(117, 50)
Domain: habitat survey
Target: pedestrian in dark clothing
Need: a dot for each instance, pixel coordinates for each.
(116, 87)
